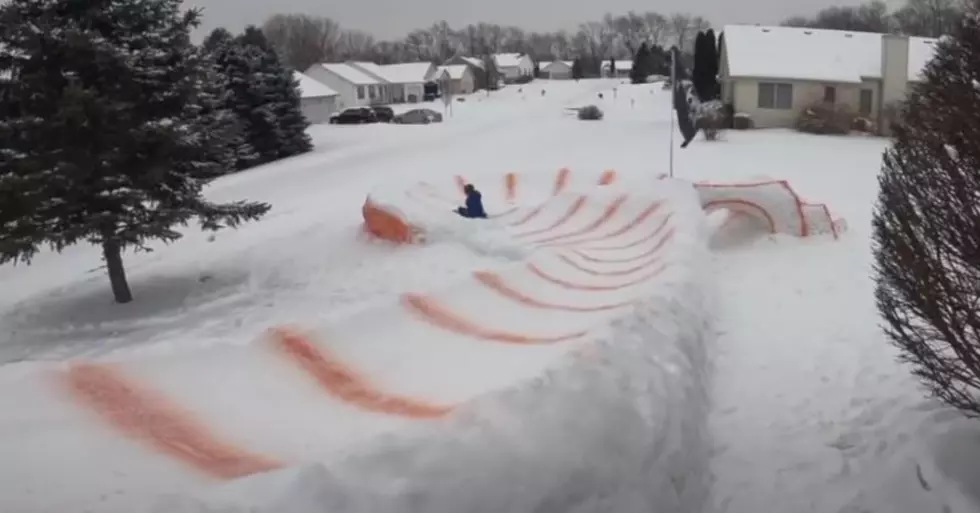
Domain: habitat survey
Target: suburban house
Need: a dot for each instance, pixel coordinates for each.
(622, 69)
(512, 66)
(459, 79)
(772, 73)
(317, 101)
(476, 66)
(354, 87)
(403, 83)
(556, 70)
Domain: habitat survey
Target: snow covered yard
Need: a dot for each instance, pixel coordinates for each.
(809, 411)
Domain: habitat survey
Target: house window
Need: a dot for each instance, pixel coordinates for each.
(775, 96)
(867, 96)
(830, 94)
(360, 92)
(373, 91)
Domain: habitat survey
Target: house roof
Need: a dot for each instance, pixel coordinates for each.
(547, 66)
(619, 64)
(404, 73)
(312, 88)
(350, 73)
(473, 61)
(455, 71)
(507, 60)
(812, 54)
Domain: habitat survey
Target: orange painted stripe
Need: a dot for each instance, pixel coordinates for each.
(608, 177)
(440, 316)
(561, 180)
(623, 230)
(570, 213)
(505, 213)
(617, 272)
(652, 251)
(639, 242)
(579, 286)
(609, 213)
(530, 215)
(342, 382)
(510, 183)
(151, 418)
(495, 282)
(460, 183)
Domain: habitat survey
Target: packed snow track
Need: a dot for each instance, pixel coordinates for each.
(579, 361)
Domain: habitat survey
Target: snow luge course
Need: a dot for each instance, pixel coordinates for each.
(598, 311)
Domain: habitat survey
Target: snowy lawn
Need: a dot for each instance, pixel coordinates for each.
(810, 413)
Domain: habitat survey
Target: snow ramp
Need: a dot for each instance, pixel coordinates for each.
(569, 377)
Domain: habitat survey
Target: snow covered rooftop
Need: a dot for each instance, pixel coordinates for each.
(350, 73)
(508, 60)
(546, 66)
(619, 64)
(404, 73)
(812, 54)
(312, 88)
(474, 61)
(455, 71)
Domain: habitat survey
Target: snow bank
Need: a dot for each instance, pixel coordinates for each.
(615, 425)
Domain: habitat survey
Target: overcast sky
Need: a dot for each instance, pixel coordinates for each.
(391, 19)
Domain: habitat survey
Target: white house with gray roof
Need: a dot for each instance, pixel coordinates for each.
(772, 73)
(355, 88)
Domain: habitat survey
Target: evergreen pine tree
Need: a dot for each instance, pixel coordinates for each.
(639, 72)
(926, 224)
(108, 133)
(577, 71)
(699, 75)
(713, 88)
(264, 96)
(612, 67)
(243, 155)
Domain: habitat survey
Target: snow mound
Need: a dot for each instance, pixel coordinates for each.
(392, 409)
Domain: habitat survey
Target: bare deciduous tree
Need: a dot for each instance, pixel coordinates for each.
(302, 40)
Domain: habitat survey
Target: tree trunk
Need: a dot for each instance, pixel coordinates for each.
(117, 273)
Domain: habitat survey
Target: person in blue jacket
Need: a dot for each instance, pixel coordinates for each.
(474, 204)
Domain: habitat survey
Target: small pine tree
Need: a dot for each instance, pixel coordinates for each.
(640, 70)
(927, 220)
(109, 132)
(612, 67)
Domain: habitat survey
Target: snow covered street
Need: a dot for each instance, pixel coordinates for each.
(754, 380)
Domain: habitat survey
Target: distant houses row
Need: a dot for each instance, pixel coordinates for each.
(330, 87)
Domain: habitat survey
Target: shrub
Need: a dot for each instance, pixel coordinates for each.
(742, 121)
(863, 124)
(709, 117)
(590, 113)
(926, 221)
(825, 119)
(524, 79)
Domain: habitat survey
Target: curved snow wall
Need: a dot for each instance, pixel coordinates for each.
(771, 204)
(569, 377)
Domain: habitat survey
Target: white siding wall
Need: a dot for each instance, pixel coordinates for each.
(347, 91)
(744, 94)
(318, 110)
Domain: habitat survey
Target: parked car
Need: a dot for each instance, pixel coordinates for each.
(418, 117)
(354, 116)
(383, 113)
